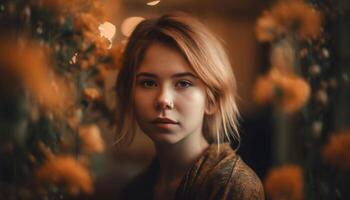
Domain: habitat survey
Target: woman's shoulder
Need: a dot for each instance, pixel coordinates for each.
(223, 175)
(235, 178)
(244, 183)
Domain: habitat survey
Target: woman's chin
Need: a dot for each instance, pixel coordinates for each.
(164, 138)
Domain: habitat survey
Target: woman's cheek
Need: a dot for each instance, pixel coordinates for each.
(143, 101)
(139, 100)
(192, 100)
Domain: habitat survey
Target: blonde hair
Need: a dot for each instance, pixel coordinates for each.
(208, 60)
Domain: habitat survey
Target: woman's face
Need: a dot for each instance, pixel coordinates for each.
(169, 99)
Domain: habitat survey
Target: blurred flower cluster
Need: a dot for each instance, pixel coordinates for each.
(288, 91)
(68, 171)
(285, 25)
(28, 62)
(337, 151)
(285, 17)
(56, 60)
(285, 182)
(303, 79)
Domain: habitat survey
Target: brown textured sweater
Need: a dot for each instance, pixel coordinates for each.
(216, 175)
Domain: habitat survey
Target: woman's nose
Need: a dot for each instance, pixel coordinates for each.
(164, 100)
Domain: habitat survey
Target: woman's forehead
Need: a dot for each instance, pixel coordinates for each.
(163, 60)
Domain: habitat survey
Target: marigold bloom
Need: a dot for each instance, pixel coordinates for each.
(285, 182)
(286, 90)
(337, 151)
(66, 170)
(267, 29)
(91, 138)
(298, 17)
(289, 16)
(295, 93)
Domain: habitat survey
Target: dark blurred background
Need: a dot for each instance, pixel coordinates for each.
(35, 127)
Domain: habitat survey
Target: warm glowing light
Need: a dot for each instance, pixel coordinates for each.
(153, 3)
(74, 59)
(107, 30)
(91, 138)
(129, 25)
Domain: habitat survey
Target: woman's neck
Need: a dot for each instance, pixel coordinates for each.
(175, 159)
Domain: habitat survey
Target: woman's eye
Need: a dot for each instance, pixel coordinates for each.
(148, 83)
(183, 84)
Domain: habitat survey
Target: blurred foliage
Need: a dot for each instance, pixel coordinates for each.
(54, 69)
(303, 42)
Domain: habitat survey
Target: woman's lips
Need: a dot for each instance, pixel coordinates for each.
(164, 122)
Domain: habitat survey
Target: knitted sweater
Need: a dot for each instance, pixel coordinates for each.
(216, 175)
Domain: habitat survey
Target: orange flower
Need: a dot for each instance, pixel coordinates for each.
(286, 90)
(267, 29)
(30, 64)
(295, 91)
(264, 90)
(299, 17)
(91, 137)
(285, 182)
(289, 16)
(66, 170)
(337, 151)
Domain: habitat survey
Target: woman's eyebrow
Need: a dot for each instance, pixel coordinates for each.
(147, 74)
(177, 75)
(183, 74)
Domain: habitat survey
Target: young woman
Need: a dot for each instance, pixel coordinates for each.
(176, 85)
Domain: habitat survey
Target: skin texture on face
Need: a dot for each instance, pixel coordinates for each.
(167, 87)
